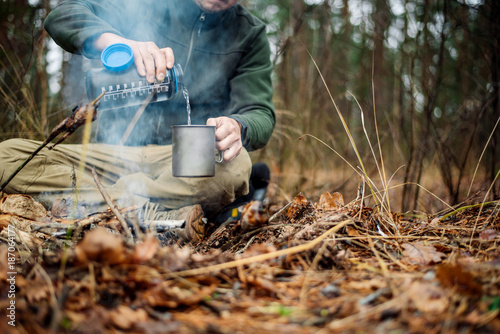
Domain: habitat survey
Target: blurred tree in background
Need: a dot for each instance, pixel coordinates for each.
(419, 78)
(23, 84)
(422, 74)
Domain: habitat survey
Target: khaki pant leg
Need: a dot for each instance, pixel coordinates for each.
(52, 174)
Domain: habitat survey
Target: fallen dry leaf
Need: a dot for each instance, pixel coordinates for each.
(420, 254)
(428, 297)
(4, 264)
(75, 317)
(261, 283)
(299, 206)
(488, 234)
(143, 274)
(29, 240)
(352, 232)
(174, 258)
(435, 221)
(21, 223)
(146, 250)
(4, 221)
(125, 318)
(328, 202)
(37, 291)
(253, 216)
(368, 285)
(102, 246)
(453, 275)
(259, 249)
(78, 302)
(63, 208)
(171, 294)
(214, 255)
(22, 205)
(307, 233)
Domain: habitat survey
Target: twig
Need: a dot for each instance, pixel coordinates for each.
(280, 211)
(69, 125)
(361, 194)
(247, 245)
(160, 226)
(61, 226)
(77, 228)
(111, 205)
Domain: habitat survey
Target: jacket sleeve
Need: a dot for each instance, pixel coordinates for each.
(75, 24)
(251, 94)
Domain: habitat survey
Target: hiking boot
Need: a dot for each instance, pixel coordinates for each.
(259, 180)
(194, 227)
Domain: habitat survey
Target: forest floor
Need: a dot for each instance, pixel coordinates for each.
(321, 267)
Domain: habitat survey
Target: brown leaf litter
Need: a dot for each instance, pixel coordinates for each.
(306, 267)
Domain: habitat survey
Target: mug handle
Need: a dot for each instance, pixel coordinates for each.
(221, 157)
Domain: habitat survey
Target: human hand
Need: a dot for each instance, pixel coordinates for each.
(227, 136)
(149, 59)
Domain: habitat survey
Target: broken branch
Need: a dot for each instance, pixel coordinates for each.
(68, 125)
(110, 203)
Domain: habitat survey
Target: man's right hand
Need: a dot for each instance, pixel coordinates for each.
(149, 59)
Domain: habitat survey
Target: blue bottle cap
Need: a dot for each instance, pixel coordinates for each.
(117, 57)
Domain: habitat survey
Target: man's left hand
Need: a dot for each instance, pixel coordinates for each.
(227, 136)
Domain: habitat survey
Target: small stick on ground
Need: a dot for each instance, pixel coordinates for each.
(280, 211)
(111, 205)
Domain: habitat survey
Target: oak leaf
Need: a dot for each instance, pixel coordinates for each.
(420, 254)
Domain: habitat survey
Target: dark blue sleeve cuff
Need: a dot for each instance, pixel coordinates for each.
(243, 129)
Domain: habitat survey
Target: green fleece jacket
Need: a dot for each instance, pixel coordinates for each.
(225, 57)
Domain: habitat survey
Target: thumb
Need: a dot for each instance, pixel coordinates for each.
(212, 122)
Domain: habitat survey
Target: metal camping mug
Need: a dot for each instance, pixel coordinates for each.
(193, 151)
